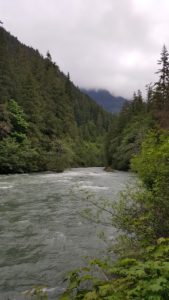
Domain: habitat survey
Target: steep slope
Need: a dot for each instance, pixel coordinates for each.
(61, 120)
(139, 118)
(105, 99)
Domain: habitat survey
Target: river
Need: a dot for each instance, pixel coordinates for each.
(43, 233)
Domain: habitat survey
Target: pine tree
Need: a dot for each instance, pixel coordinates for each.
(162, 85)
(149, 97)
(68, 86)
(137, 104)
(48, 56)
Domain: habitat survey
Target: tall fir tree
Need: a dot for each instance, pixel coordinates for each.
(161, 96)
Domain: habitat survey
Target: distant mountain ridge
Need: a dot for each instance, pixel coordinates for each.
(105, 99)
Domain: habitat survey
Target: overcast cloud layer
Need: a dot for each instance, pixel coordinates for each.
(111, 44)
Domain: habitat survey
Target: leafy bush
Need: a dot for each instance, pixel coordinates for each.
(152, 166)
(146, 278)
(142, 219)
(17, 157)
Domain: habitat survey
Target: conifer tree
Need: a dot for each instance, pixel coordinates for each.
(48, 56)
(68, 86)
(137, 104)
(149, 96)
(162, 85)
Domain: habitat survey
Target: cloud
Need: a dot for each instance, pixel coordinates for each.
(112, 44)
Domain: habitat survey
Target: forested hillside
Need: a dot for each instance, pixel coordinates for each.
(139, 138)
(46, 123)
(138, 117)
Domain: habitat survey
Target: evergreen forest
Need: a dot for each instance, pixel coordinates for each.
(137, 263)
(46, 123)
(130, 127)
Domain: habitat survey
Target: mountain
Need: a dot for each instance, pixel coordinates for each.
(46, 123)
(105, 99)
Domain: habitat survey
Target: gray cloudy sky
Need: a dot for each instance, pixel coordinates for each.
(112, 44)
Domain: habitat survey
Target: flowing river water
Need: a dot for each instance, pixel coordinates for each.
(43, 233)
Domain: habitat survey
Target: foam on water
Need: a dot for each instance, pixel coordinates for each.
(42, 232)
(95, 188)
(6, 187)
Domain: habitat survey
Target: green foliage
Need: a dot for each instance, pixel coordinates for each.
(141, 216)
(142, 213)
(146, 278)
(17, 117)
(152, 166)
(48, 112)
(61, 155)
(16, 151)
(5, 125)
(125, 137)
(17, 157)
(138, 117)
(91, 153)
(152, 163)
(160, 95)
